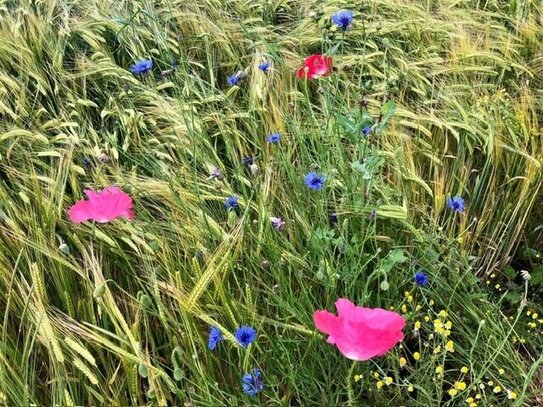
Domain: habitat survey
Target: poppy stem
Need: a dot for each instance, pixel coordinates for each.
(350, 394)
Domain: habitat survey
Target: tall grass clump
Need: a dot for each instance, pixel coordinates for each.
(426, 101)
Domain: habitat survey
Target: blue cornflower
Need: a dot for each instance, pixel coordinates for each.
(231, 202)
(215, 337)
(366, 130)
(86, 162)
(333, 218)
(420, 278)
(313, 181)
(141, 67)
(456, 203)
(343, 19)
(233, 80)
(273, 138)
(264, 66)
(245, 335)
(252, 383)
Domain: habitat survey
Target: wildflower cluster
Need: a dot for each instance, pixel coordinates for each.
(252, 382)
(359, 333)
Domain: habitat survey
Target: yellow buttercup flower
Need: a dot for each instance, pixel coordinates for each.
(464, 369)
(403, 362)
(379, 384)
(416, 356)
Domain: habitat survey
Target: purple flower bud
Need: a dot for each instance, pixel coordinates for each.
(277, 223)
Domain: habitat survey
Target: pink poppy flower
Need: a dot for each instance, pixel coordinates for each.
(315, 66)
(360, 333)
(102, 206)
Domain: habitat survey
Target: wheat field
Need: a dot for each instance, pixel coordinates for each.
(118, 313)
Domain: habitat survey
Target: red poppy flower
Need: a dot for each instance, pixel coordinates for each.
(315, 66)
(360, 333)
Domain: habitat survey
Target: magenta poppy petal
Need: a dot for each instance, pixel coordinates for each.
(353, 352)
(383, 319)
(91, 195)
(345, 308)
(80, 212)
(361, 333)
(326, 322)
(103, 206)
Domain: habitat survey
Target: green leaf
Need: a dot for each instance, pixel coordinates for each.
(334, 50)
(509, 272)
(397, 256)
(388, 110)
(358, 166)
(347, 124)
(394, 257)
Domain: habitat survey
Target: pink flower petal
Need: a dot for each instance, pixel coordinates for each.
(326, 322)
(361, 333)
(80, 212)
(103, 206)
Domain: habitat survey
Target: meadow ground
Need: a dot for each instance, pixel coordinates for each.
(427, 100)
